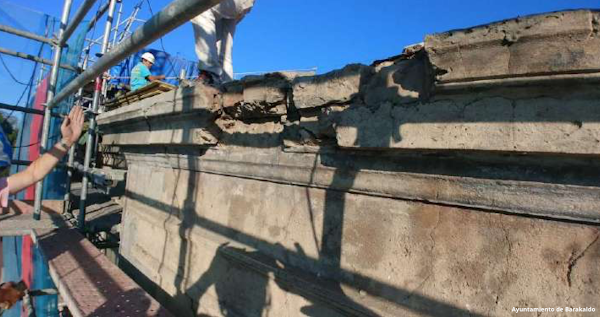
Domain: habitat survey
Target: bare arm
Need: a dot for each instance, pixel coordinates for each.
(71, 131)
(157, 77)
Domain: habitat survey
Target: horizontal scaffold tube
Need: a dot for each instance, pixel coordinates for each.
(24, 109)
(34, 58)
(25, 34)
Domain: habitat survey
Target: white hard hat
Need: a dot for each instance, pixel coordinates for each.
(149, 57)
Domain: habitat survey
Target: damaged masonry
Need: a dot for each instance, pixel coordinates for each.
(459, 178)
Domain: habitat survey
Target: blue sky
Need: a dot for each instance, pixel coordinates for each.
(327, 34)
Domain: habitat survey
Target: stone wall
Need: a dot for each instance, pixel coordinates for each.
(459, 178)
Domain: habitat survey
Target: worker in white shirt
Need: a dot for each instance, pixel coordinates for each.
(214, 30)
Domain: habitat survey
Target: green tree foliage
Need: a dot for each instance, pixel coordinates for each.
(11, 131)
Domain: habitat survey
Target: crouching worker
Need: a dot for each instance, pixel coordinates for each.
(141, 75)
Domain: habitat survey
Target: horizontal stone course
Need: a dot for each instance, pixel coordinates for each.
(397, 251)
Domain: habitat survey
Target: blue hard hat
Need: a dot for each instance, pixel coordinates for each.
(6, 150)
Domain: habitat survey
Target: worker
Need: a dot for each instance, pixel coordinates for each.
(141, 75)
(214, 30)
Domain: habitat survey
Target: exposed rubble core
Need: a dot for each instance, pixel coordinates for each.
(458, 178)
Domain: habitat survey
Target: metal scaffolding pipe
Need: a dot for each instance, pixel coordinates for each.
(25, 34)
(129, 22)
(173, 15)
(20, 162)
(97, 17)
(37, 206)
(35, 58)
(89, 146)
(75, 166)
(114, 42)
(71, 160)
(79, 15)
(24, 109)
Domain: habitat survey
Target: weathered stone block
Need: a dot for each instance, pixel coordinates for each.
(267, 89)
(548, 125)
(257, 97)
(336, 87)
(184, 116)
(404, 81)
(551, 43)
(197, 98)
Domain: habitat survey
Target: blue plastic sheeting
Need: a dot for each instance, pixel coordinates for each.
(41, 24)
(44, 305)
(12, 252)
(55, 184)
(26, 71)
(164, 64)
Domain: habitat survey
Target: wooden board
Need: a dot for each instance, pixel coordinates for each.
(152, 89)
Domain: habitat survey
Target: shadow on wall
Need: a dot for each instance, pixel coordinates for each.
(241, 278)
(240, 292)
(287, 277)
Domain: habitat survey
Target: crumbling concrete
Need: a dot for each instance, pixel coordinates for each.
(257, 97)
(336, 87)
(376, 190)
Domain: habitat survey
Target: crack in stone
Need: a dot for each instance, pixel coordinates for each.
(595, 26)
(573, 260)
(146, 118)
(508, 255)
(426, 279)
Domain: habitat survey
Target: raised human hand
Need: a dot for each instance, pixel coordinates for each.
(72, 126)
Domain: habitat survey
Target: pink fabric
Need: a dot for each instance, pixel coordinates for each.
(4, 192)
(36, 131)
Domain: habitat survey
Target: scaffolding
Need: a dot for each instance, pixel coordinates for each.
(112, 51)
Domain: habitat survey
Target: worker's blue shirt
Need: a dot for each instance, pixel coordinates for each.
(138, 76)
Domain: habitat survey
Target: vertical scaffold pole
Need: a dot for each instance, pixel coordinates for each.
(92, 127)
(71, 161)
(116, 31)
(47, 111)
